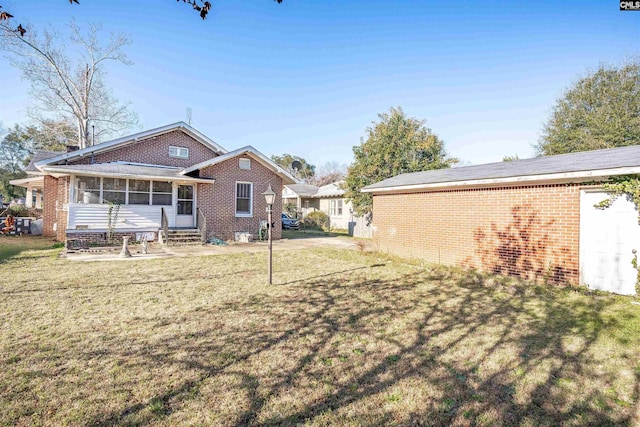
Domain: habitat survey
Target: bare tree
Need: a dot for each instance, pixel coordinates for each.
(69, 83)
(328, 173)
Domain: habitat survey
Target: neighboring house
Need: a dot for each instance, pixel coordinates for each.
(333, 203)
(300, 196)
(328, 199)
(531, 218)
(172, 174)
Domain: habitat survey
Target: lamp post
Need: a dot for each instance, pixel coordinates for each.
(270, 197)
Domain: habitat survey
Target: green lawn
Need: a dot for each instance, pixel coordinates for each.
(342, 337)
(302, 233)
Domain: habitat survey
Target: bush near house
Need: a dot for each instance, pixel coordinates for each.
(318, 220)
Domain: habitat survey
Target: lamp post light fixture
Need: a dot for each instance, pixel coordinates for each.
(270, 197)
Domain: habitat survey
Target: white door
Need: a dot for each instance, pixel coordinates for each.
(184, 208)
(607, 240)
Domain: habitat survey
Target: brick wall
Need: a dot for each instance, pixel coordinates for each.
(61, 213)
(217, 201)
(530, 232)
(56, 195)
(50, 200)
(155, 151)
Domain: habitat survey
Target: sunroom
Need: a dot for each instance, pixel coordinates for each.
(128, 197)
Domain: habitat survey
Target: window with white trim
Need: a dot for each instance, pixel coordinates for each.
(90, 189)
(179, 152)
(244, 198)
(335, 207)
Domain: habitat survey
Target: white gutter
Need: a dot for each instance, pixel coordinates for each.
(552, 178)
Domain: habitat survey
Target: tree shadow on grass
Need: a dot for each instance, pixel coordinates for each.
(348, 348)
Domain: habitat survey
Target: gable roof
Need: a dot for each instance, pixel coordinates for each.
(563, 168)
(311, 191)
(303, 190)
(331, 190)
(40, 155)
(287, 178)
(130, 139)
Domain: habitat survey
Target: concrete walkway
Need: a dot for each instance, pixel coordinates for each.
(156, 251)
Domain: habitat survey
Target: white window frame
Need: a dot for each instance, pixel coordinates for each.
(335, 208)
(75, 191)
(179, 152)
(244, 164)
(235, 201)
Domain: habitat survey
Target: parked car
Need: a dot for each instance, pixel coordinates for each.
(289, 223)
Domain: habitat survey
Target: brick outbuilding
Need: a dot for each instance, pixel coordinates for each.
(533, 218)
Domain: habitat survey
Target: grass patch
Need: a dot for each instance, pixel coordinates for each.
(350, 339)
(302, 234)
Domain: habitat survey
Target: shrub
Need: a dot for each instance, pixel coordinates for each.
(317, 219)
(291, 210)
(18, 210)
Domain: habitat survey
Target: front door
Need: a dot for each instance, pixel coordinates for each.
(184, 209)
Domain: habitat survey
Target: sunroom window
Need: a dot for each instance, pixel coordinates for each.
(139, 192)
(114, 190)
(87, 189)
(162, 193)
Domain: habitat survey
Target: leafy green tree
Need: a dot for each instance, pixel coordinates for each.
(15, 149)
(601, 110)
(510, 158)
(395, 144)
(304, 172)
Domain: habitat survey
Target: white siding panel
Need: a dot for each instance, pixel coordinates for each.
(95, 217)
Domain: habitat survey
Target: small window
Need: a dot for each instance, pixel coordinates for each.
(179, 152)
(244, 195)
(245, 164)
(336, 207)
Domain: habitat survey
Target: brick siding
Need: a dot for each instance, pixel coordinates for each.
(218, 202)
(155, 151)
(530, 232)
(50, 200)
(54, 215)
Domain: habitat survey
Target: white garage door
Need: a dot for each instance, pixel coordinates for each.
(607, 239)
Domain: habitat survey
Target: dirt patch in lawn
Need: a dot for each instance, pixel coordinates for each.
(156, 251)
(343, 338)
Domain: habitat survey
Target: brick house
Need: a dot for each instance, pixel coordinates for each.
(532, 218)
(171, 175)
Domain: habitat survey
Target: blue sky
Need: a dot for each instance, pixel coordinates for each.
(308, 77)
